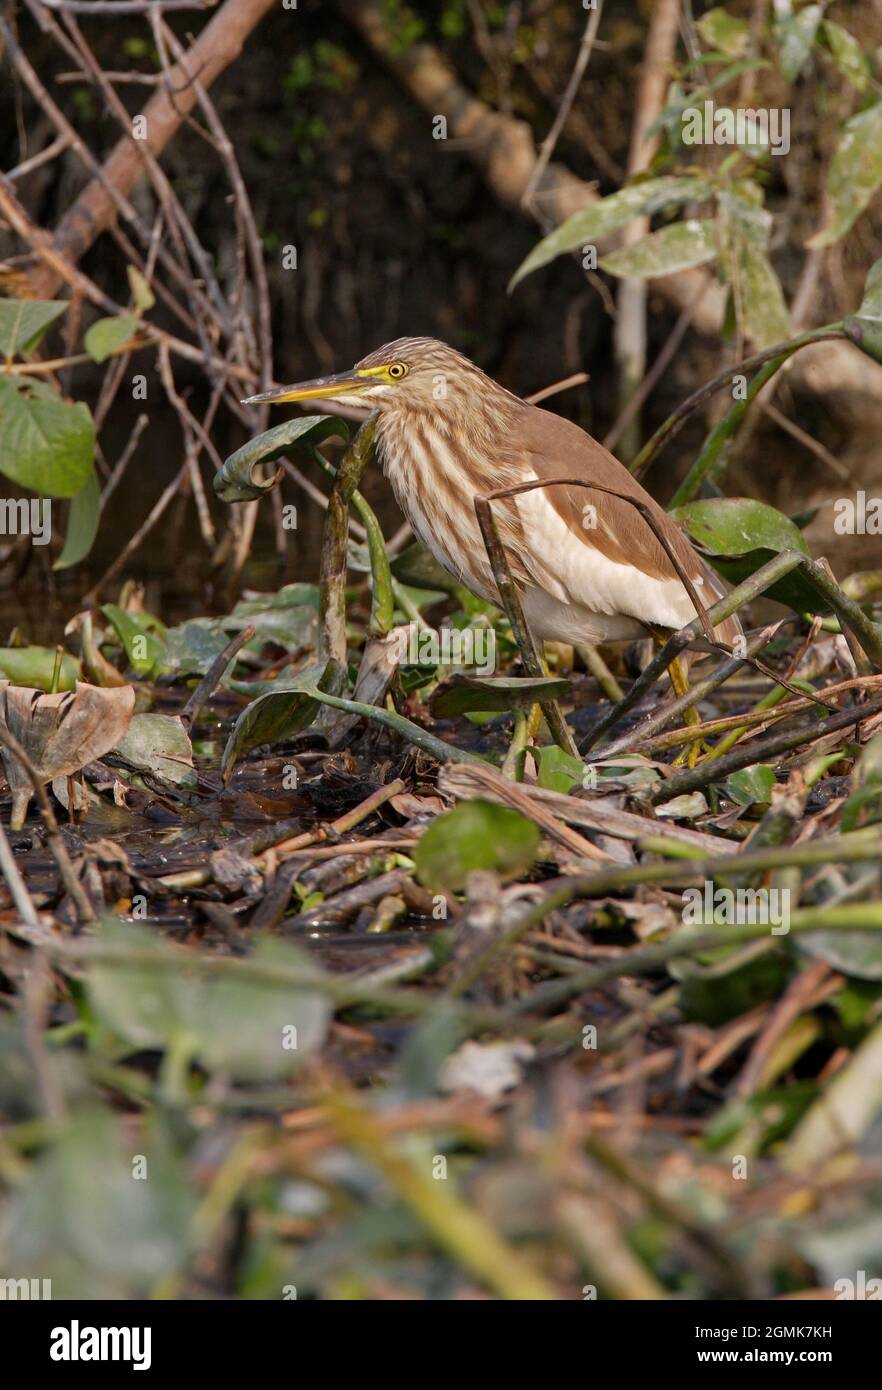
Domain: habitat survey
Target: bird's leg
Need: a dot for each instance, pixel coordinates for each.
(680, 684)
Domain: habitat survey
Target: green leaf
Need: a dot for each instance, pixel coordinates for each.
(34, 666)
(48, 444)
(855, 953)
(865, 327)
(847, 54)
(142, 636)
(24, 321)
(84, 1220)
(738, 525)
(193, 646)
(795, 37)
(739, 534)
(871, 304)
(559, 771)
(141, 292)
(461, 694)
(609, 214)
(855, 174)
(278, 715)
(232, 1024)
(107, 336)
(235, 481)
(475, 835)
(82, 524)
(751, 785)
(677, 247)
(757, 293)
(766, 319)
(417, 567)
(724, 33)
(159, 743)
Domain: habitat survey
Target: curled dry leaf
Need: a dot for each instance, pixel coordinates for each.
(60, 733)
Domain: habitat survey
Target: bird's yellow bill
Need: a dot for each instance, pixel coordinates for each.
(320, 388)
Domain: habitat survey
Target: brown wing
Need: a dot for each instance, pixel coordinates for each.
(557, 448)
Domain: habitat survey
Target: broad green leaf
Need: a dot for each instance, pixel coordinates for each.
(723, 32)
(235, 481)
(609, 214)
(461, 694)
(475, 835)
(729, 984)
(85, 1221)
(848, 55)
(417, 567)
(193, 646)
(871, 304)
(751, 784)
(141, 292)
(766, 319)
(34, 666)
(745, 228)
(739, 535)
(159, 743)
(142, 636)
(280, 714)
(48, 443)
(865, 327)
(24, 321)
(559, 771)
(82, 524)
(738, 525)
(254, 1030)
(795, 37)
(855, 174)
(855, 953)
(677, 247)
(289, 617)
(107, 336)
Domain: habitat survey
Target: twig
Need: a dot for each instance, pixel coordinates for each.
(760, 750)
(546, 149)
(213, 676)
(20, 895)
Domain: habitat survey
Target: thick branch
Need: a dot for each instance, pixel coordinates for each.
(219, 43)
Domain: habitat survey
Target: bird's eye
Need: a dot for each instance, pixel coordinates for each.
(397, 371)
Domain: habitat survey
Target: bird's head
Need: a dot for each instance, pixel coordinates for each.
(410, 374)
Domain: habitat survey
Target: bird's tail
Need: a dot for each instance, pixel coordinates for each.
(712, 590)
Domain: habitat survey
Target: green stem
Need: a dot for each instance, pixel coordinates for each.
(421, 738)
(382, 597)
(709, 463)
(332, 603)
(677, 419)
